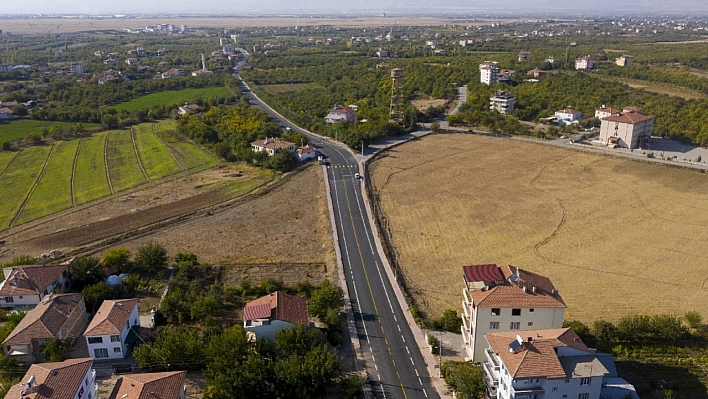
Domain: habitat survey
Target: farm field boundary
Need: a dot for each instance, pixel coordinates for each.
(596, 225)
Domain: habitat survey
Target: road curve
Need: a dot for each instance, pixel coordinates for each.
(393, 361)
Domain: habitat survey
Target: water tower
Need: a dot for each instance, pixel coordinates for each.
(397, 99)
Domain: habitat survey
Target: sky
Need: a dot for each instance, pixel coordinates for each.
(255, 7)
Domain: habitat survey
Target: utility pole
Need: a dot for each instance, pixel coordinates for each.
(440, 350)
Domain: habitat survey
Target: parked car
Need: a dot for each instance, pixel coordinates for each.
(357, 176)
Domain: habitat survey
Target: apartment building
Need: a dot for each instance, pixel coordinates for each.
(507, 298)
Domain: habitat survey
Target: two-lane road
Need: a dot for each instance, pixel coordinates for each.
(393, 360)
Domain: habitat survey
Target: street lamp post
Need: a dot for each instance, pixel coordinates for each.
(440, 350)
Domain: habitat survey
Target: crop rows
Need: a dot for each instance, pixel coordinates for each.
(78, 171)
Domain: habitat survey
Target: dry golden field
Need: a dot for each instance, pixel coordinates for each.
(27, 26)
(615, 236)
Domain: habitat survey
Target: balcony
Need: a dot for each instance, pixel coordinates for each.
(465, 335)
(467, 298)
(491, 357)
(536, 392)
(466, 326)
(491, 373)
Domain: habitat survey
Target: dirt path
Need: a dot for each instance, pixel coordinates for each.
(105, 160)
(36, 182)
(9, 164)
(73, 172)
(137, 155)
(172, 154)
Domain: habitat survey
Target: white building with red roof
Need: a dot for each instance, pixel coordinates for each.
(568, 115)
(627, 129)
(60, 317)
(306, 152)
(269, 314)
(549, 363)
(25, 286)
(341, 114)
(489, 72)
(507, 298)
(166, 385)
(272, 145)
(70, 379)
(113, 329)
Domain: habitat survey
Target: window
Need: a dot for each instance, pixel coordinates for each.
(115, 338)
(95, 340)
(516, 312)
(585, 381)
(100, 353)
(530, 324)
(496, 311)
(531, 310)
(494, 325)
(584, 396)
(116, 349)
(9, 299)
(514, 325)
(555, 389)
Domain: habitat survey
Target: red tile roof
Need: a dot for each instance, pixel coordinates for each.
(306, 150)
(31, 279)
(518, 291)
(167, 385)
(111, 317)
(45, 320)
(59, 380)
(537, 358)
(628, 117)
(480, 273)
(272, 143)
(285, 307)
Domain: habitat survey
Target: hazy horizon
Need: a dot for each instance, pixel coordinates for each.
(300, 7)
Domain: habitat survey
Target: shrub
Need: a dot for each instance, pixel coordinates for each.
(449, 321)
(151, 257)
(118, 260)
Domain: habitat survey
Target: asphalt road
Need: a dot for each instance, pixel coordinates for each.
(393, 360)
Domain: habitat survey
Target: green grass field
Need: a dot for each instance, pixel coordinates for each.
(170, 97)
(122, 163)
(192, 157)
(90, 176)
(53, 192)
(155, 157)
(18, 181)
(5, 158)
(17, 130)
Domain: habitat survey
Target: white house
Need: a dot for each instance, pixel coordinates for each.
(113, 330)
(341, 114)
(524, 56)
(624, 60)
(306, 152)
(549, 364)
(506, 298)
(70, 379)
(604, 112)
(166, 385)
(568, 115)
(584, 63)
(188, 109)
(5, 67)
(272, 145)
(25, 286)
(5, 113)
(267, 315)
(61, 317)
(489, 72)
(502, 102)
(627, 129)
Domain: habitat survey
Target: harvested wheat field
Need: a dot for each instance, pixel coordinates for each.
(615, 236)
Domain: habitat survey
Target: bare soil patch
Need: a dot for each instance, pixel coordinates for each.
(616, 236)
(422, 105)
(284, 234)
